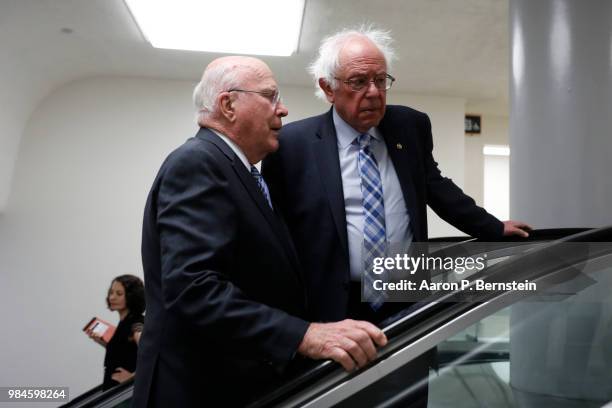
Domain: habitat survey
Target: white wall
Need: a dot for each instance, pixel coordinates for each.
(494, 132)
(497, 185)
(447, 126)
(87, 158)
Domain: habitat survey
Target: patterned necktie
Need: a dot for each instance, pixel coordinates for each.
(374, 231)
(261, 183)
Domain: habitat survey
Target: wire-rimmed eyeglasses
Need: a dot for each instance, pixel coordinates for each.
(273, 96)
(357, 83)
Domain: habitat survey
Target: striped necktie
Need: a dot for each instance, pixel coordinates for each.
(261, 183)
(374, 230)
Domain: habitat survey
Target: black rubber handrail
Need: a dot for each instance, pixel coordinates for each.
(93, 399)
(437, 314)
(84, 397)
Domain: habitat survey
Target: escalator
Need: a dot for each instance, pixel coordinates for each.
(475, 341)
(118, 396)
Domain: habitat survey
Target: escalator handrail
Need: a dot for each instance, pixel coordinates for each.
(99, 400)
(435, 314)
(324, 369)
(86, 396)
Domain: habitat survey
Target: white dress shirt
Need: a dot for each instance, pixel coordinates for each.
(235, 148)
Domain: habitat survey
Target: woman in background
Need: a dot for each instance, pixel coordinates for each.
(126, 297)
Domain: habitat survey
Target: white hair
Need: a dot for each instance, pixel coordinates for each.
(327, 63)
(221, 77)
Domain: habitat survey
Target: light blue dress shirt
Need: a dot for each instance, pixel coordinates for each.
(397, 219)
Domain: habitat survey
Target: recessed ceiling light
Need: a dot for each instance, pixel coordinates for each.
(262, 27)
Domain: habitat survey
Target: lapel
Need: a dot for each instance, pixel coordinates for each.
(404, 161)
(250, 184)
(325, 149)
(248, 181)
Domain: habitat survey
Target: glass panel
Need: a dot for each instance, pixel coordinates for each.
(553, 350)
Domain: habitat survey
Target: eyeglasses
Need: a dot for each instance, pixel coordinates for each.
(382, 82)
(273, 96)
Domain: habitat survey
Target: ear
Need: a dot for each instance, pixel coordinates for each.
(226, 106)
(327, 89)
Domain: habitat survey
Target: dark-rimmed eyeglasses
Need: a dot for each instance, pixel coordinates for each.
(273, 96)
(357, 83)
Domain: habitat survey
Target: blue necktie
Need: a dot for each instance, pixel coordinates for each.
(374, 230)
(261, 183)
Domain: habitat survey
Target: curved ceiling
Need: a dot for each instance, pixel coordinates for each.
(445, 47)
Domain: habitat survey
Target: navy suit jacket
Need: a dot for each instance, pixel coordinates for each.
(304, 179)
(223, 288)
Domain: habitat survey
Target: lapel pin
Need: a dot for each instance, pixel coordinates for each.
(399, 146)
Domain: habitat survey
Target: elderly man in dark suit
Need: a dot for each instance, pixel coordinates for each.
(226, 304)
(355, 181)
(360, 176)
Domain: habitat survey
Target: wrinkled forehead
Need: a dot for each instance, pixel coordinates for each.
(360, 52)
(257, 74)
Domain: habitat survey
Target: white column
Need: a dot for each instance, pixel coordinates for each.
(560, 176)
(561, 112)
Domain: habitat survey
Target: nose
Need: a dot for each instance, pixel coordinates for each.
(281, 110)
(372, 90)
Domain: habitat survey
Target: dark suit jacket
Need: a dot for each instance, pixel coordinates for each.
(304, 179)
(222, 281)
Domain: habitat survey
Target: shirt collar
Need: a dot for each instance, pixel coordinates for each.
(235, 148)
(346, 134)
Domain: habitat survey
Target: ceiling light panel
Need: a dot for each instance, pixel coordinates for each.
(256, 27)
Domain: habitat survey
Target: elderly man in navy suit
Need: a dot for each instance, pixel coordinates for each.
(361, 173)
(226, 304)
(356, 180)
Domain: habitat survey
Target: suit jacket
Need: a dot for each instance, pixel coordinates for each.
(304, 179)
(223, 287)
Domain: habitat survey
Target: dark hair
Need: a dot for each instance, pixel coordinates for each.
(134, 293)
